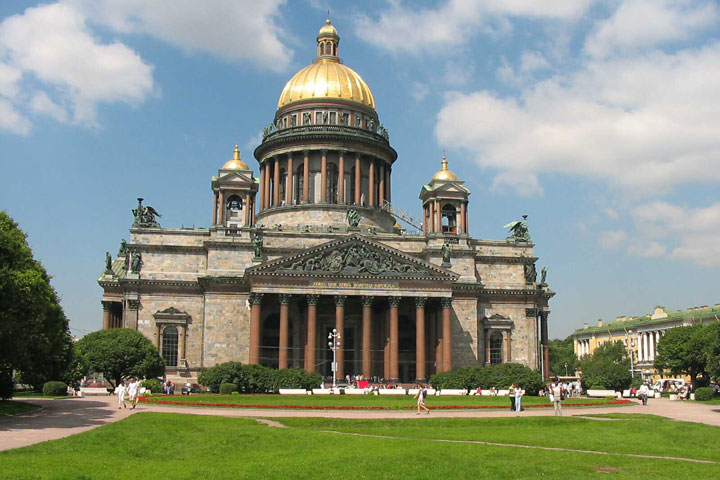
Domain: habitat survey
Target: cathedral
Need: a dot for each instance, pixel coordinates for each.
(313, 245)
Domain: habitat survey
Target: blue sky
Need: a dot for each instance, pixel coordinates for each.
(601, 120)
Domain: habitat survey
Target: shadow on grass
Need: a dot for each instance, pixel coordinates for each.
(65, 413)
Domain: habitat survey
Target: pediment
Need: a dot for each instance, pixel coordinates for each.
(354, 257)
(237, 177)
(451, 187)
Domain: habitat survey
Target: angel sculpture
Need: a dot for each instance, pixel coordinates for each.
(519, 230)
(145, 216)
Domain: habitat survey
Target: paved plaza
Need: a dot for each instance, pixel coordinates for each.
(60, 418)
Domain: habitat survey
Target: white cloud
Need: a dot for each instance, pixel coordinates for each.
(52, 46)
(405, 28)
(533, 61)
(646, 123)
(239, 30)
(686, 233)
(524, 184)
(530, 62)
(645, 23)
(41, 103)
(9, 80)
(612, 239)
(12, 120)
(419, 91)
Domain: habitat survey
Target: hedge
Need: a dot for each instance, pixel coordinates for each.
(703, 394)
(256, 378)
(152, 384)
(227, 388)
(54, 389)
(498, 376)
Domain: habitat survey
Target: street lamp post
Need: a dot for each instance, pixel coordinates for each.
(334, 344)
(566, 372)
(630, 344)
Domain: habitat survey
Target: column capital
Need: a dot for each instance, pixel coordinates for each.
(106, 304)
(133, 304)
(312, 299)
(255, 298)
(393, 301)
(420, 302)
(367, 300)
(446, 302)
(306, 152)
(284, 298)
(340, 300)
(324, 151)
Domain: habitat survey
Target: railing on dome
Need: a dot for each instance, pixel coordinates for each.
(398, 212)
(232, 232)
(320, 129)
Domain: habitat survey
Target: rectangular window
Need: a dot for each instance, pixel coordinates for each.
(333, 117)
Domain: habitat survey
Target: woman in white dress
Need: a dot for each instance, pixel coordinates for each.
(421, 394)
(120, 391)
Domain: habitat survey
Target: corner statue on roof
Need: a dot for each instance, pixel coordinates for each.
(519, 230)
(145, 216)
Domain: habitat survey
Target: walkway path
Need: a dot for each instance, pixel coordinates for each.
(63, 417)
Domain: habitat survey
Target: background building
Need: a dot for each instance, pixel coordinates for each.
(313, 243)
(641, 335)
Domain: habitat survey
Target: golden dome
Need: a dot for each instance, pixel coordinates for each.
(327, 29)
(444, 173)
(235, 163)
(327, 77)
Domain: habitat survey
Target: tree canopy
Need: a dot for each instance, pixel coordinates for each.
(685, 351)
(608, 366)
(120, 353)
(562, 352)
(34, 335)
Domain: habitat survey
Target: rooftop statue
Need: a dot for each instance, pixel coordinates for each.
(108, 263)
(446, 252)
(123, 247)
(519, 230)
(145, 216)
(136, 263)
(530, 273)
(543, 276)
(258, 245)
(353, 218)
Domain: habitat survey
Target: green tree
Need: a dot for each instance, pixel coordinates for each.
(34, 334)
(120, 353)
(713, 351)
(561, 353)
(608, 366)
(683, 350)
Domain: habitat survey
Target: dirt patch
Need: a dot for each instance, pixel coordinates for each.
(606, 469)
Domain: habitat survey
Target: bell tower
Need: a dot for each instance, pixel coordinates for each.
(234, 190)
(445, 204)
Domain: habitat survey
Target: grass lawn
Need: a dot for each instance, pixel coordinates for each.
(167, 445)
(367, 401)
(36, 395)
(13, 408)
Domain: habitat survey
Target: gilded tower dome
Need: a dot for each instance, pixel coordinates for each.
(327, 77)
(236, 163)
(444, 173)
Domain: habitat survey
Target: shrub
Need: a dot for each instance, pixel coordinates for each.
(247, 378)
(152, 384)
(598, 386)
(227, 388)
(54, 389)
(296, 378)
(498, 376)
(703, 394)
(6, 385)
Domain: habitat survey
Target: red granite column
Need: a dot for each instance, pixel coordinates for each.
(381, 188)
(420, 370)
(106, 314)
(447, 333)
(323, 177)
(255, 300)
(221, 206)
(545, 346)
(341, 177)
(358, 179)
(215, 205)
(366, 336)
(284, 331)
(394, 302)
(439, 365)
(289, 181)
(311, 344)
(276, 182)
(386, 346)
(340, 327)
(371, 183)
(262, 187)
(306, 177)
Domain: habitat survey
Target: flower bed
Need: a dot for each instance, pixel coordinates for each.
(155, 400)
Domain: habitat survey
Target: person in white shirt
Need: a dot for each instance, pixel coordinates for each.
(120, 391)
(556, 392)
(643, 393)
(132, 390)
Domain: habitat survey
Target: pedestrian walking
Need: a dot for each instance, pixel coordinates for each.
(518, 399)
(643, 393)
(556, 392)
(132, 390)
(120, 391)
(421, 395)
(511, 394)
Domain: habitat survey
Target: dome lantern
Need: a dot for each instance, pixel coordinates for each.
(328, 41)
(444, 173)
(236, 163)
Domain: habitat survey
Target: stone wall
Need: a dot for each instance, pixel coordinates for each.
(227, 328)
